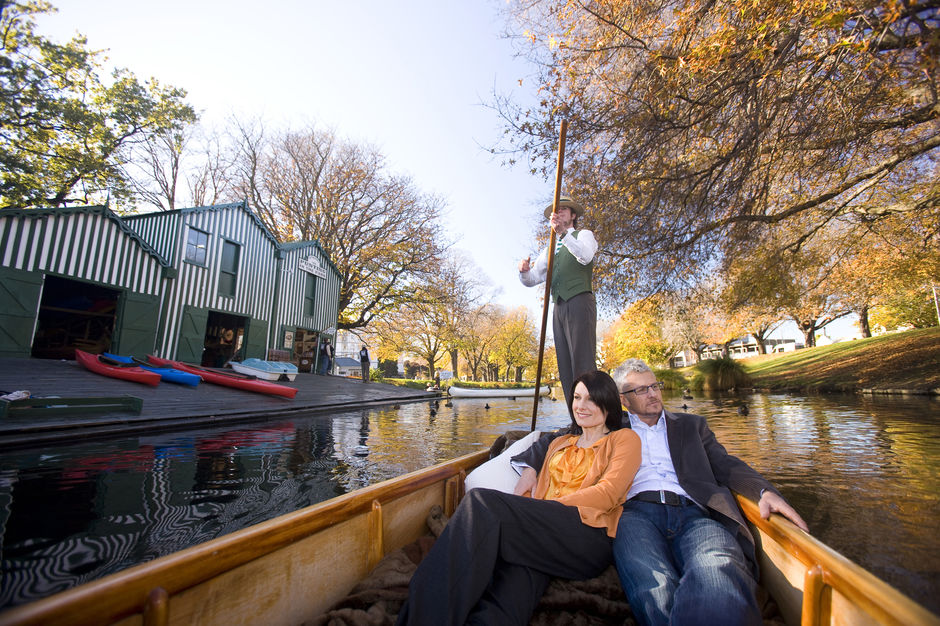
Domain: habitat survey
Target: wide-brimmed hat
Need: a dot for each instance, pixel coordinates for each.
(566, 202)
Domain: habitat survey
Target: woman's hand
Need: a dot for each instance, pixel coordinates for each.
(527, 482)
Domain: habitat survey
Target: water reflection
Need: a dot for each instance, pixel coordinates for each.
(862, 471)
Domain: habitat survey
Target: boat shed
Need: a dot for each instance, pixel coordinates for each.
(76, 278)
(209, 284)
(309, 285)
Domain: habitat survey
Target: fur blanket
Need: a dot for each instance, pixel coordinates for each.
(377, 599)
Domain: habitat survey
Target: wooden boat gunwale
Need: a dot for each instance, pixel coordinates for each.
(132, 591)
(827, 572)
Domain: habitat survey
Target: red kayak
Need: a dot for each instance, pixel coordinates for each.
(106, 367)
(228, 379)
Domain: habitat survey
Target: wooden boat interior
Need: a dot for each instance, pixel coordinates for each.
(295, 567)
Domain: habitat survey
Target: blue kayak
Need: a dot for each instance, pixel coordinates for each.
(168, 374)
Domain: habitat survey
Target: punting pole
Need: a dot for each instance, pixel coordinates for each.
(563, 131)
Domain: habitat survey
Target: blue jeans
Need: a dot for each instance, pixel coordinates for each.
(679, 566)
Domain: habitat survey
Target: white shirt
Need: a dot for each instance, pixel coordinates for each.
(656, 473)
(583, 248)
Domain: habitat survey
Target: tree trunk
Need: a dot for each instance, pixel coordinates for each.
(809, 334)
(453, 361)
(761, 347)
(863, 321)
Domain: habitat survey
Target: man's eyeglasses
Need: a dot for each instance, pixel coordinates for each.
(642, 391)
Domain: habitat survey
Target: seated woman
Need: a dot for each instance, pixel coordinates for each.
(499, 551)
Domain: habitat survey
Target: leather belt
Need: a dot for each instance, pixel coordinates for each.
(663, 497)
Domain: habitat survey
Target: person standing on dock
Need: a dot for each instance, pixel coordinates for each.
(574, 322)
(326, 356)
(364, 363)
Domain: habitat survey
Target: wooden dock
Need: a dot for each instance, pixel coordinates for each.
(169, 406)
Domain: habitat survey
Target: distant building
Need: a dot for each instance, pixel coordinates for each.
(739, 348)
(348, 367)
(205, 284)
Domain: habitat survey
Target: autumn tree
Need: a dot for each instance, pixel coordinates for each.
(65, 132)
(516, 343)
(382, 233)
(899, 259)
(478, 334)
(464, 290)
(908, 307)
(637, 333)
(696, 128)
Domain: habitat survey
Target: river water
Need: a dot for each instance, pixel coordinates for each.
(863, 472)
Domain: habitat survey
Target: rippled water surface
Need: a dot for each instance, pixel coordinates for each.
(862, 471)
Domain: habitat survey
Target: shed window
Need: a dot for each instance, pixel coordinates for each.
(197, 243)
(310, 294)
(228, 271)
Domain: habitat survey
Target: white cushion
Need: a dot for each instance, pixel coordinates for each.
(498, 473)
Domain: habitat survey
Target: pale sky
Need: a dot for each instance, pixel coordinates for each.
(409, 77)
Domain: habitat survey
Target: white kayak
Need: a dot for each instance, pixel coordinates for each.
(475, 392)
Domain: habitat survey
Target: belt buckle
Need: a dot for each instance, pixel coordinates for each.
(662, 496)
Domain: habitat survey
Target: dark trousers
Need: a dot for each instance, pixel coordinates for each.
(365, 370)
(496, 556)
(574, 326)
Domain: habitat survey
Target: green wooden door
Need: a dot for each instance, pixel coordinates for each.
(192, 334)
(19, 305)
(136, 327)
(257, 337)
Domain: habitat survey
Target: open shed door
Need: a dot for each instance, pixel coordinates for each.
(257, 339)
(137, 324)
(192, 334)
(19, 305)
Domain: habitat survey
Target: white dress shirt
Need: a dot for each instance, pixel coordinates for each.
(583, 248)
(656, 473)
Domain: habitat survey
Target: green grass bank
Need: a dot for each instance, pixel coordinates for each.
(906, 361)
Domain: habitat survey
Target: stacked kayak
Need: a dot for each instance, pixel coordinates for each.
(168, 374)
(266, 370)
(107, 367)
(227, 378)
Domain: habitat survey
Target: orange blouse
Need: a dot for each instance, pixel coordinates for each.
(567, 469)
(604, 486)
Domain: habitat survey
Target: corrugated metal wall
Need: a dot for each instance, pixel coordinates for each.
(87, 243)
(292, 283)
(198, 286)
(135, 252)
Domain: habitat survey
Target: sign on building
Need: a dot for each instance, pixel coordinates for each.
(312, 266)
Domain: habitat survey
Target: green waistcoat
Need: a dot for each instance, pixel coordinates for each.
(569, 278)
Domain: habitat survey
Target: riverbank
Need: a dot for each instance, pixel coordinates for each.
(905, 362)
(167, 406)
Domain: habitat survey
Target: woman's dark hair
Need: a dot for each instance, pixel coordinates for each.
(604, 393)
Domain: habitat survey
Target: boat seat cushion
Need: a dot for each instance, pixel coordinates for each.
(498, 473)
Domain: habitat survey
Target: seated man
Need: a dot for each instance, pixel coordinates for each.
(683, 551)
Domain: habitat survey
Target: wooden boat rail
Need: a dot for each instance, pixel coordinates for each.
(146, 593)
(833, 588)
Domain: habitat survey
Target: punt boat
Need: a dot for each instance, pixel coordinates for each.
(480, 392)
(293, 568)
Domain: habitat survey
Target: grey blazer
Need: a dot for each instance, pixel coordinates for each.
(705, 470)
